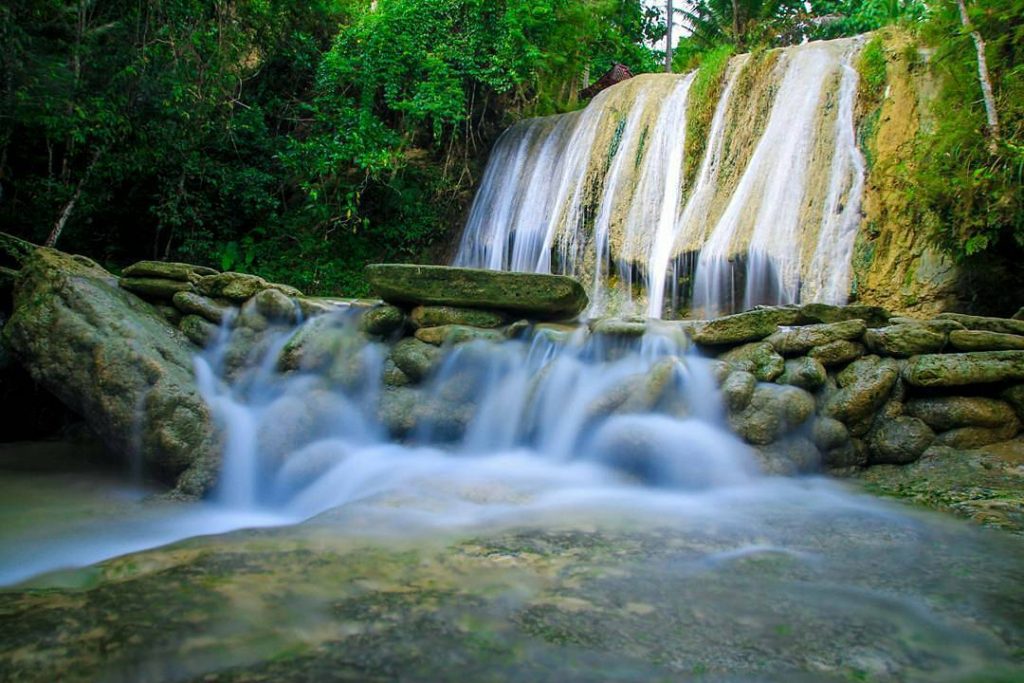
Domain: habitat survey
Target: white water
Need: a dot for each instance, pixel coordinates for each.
(599, 193)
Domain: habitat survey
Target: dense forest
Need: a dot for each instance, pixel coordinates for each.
(303, 140)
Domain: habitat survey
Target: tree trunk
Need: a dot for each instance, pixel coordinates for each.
(668, 36)
(736, 22)
(986, 82)
(69, 208)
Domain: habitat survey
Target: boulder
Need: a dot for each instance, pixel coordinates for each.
(904, 340)
(155, 288)
(758, 358)
(737, 390)
(197, 304)
(839, 352)
(828, 434)
(975, 437)
(899, 440)
(315, 345)
(200, 331)
(166, 270)
(772, 412)
(239, 287)
(435, 316)
(959, 369)
(744, 327)
(382, 320)
(530, 294)
(806, 373)
(1015, 397)
(982, 340)
(415, 358)
(276, 306)
(864, 387)
(798, 340)
(456, 334)
(617, 327)
(978, 322)
(111, 358)
(938, 325)
(873, 316)
(949, 412)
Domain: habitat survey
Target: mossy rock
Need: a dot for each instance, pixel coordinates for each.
(799, 340)
(200, 331)
(745, 327)
(987, 324)
(982, 340)
(839, 352)
(155, 288)
(436, 316)
(960, 369)
(758, 358)
(904, 340)
(457, 334)
(239, 287)
(167, 270)
(191, 303)
(864, 386)
(949, 412)
(530, 294)
(899, 440)
(382, 321)
(415, 358)
(873, 316)
(806, 373)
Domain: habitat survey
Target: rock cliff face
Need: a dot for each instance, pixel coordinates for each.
(113, 359)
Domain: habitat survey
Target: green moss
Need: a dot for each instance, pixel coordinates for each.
(704, 94)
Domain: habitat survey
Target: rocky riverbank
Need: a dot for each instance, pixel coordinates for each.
(809, 387)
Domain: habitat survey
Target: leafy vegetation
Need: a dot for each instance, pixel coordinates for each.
(297, 140)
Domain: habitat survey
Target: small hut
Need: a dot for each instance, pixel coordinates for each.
(616, 74)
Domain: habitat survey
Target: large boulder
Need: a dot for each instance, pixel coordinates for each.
(758, 358)
(865, 386)
(167, 270)
(530, 294)
(950, 412)
(839, 352)
(982, 340)
(798, 340)
(874, 316)
(977, 322)
(904, 340)
(959, 369)
(753, 325)
(114, 360)
(900, 440)
(435, 316)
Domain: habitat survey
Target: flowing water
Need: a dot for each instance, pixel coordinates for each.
(533, 524)
(601, 193)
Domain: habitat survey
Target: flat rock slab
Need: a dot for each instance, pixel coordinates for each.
(530, 294)
(959, 369)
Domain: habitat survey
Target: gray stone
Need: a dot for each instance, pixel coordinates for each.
(772, 412)
(758, 358)
(789, 456)
(239, 287)
(457, 334)
(276, 306)
(873, 316)
(393, 375)
(975, 437)
(113, 359)
(937, 325)
(154, 288)
(204, 307)
(745, 327)
(185, 272)
(199, 330)
(864, 387)
(806, 373)
(617, 327)
(382, 320)
(949, 412)
(737, 389)
(899, 441)
(829, 434)
(798, 340)
(839, 352)
(315, 345)
(531, 294)
(981, 340)
(435, 316)
(959, 369)
(415, 358)
(977, 322)
(904, 340)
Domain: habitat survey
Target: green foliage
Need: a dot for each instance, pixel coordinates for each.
(704, 94)
(850, 17)
(971, 193)
(872, 69)
(294, 139)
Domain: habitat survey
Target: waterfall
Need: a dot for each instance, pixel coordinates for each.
(769, 218)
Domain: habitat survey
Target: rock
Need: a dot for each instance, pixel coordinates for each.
(959, 369)
(981, 340)
(806, 373)
(239, 286)
(771, 412)
(204, 307)
(758, 358)
(436, 316)
(457, 334)
(170, 313)
(617, 327)
(789, 456)
(8, 276)
(184, 272)
(14, 251)
(311, 306)
(799, 340)
(415, 358)
(393, 376)
(975, 437)
(938, 325)
(382, 321)
(744, 327)
(904, 340)
(533, 295)
(1019, 315)
(396, 409)
(873, 316)
(865, 386)
(1015, 397)
(899, 441)
(276, 306)
(737, 389)
(155, 288)
(977, 322)
(111, 358)
(839, 352)
(315, 345)
(200, 331)
(948, 412)
(829, 434)
(251, 317)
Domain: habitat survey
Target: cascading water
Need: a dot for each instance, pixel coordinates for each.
(599, 193)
